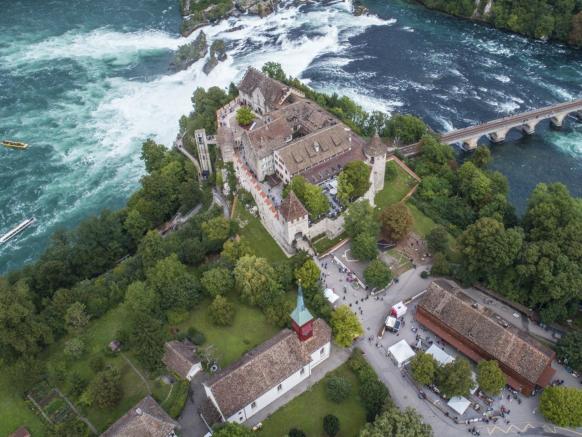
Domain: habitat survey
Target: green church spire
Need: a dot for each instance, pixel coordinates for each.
(301, 314)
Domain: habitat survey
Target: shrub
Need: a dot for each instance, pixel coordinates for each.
(338, 389)
(391, 171)
(295, 432)
(424, 274)
(96, 363)
(77, 384)
(174, 404)
(196, 337)
(331, 425)
(74, 347)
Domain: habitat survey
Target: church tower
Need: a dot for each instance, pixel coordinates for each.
(301, 318)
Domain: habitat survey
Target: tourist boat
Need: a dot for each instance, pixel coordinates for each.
(14, 144)
(17, 230)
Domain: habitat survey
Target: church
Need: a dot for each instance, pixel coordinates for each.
(271, 369)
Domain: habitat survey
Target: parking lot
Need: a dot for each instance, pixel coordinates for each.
(523, 417)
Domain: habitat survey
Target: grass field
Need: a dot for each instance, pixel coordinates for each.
(257, 236)
(323, 244)
(306, 411)
(395, 189)
(250, 328)
(422, 224)
(15, 412)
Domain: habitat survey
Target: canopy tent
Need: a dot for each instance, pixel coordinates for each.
(439, 355)
(459, 404)
(401, 353)
(330, 295)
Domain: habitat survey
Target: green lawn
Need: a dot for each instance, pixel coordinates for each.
(323, 244)
(250, 328)
(257, 236)
(306, 412)
(395, 189)
(15, 412)
(422, 224)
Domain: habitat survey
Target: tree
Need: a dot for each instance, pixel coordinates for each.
(105, 390)
(353, 181)
(295, 432)
(377, 274)
(308, 274)
(374, 395)
(153, 155)
(176, 286)
(76, 317)
(481, 156)
(221, 311)
(216, 230)
(490, 377)
(338, 389)
(233, 250)
(488, 248)
(395, 221)
(331, 425)
(151, 249)
(22, 332)
(474, 185)
(394, 422)
(364, 247)
(74, 347)
(440, 265)
(360, 219)
(231, 429)
(562, 406)
(345, 325)
(136, 225)
(407, 129)
(217, 281)
(423, 368)
(310, 195)
(141, 299)
(274, 71)
(455, 378)
(147, 340)
(244, 116)
(255, 279)
(437, 239)
(569, 349)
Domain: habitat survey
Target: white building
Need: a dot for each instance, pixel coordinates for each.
(272, 369)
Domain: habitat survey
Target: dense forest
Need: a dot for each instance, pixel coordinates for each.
(559, 20)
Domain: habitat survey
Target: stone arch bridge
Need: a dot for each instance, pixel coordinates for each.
(497, 130)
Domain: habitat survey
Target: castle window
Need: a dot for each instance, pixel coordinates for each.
(302, 371)
(322, 351)
(254, 405)
(280, 387)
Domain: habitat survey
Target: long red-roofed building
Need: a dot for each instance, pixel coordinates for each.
(478, 333)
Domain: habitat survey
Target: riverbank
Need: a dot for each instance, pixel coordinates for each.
(543, 21)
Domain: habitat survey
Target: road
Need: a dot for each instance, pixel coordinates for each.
(524, 418)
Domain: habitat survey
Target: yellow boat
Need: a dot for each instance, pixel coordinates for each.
(14, 144)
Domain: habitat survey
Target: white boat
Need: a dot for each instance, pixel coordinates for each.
(17, 230)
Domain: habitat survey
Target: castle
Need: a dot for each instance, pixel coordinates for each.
(291, 136)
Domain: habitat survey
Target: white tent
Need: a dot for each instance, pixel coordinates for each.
(459, 404)
(401, 353)
(439, 355)
(330, 295)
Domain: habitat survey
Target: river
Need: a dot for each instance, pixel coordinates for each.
(85, 81)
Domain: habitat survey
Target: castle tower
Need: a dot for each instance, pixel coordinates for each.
(301, 318)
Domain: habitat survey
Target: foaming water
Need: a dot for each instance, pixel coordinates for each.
(86, 88)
